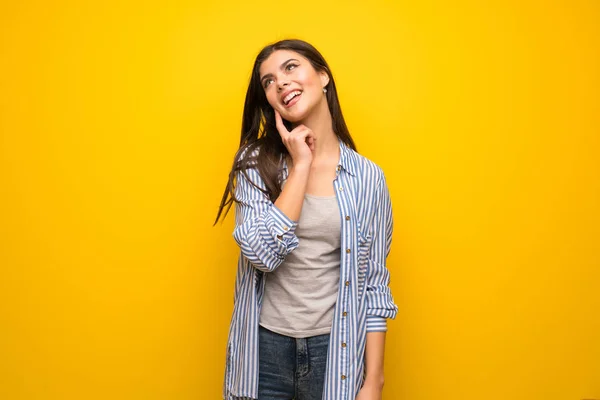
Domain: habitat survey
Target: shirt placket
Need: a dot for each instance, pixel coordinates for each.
(344, 277)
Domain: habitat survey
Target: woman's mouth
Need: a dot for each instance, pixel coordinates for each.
(292, 98)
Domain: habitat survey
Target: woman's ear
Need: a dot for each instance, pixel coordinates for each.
(324, 78)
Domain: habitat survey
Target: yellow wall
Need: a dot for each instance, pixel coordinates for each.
(118, 123)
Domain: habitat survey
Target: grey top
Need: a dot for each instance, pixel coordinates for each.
(300, 295)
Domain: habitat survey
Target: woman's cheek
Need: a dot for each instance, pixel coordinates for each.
(273, 101)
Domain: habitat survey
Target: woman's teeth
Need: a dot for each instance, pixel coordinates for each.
(290, 96)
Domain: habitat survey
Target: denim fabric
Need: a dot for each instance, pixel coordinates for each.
(291, 368)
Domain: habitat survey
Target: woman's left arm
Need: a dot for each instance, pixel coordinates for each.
(373, 384)
(380, 303)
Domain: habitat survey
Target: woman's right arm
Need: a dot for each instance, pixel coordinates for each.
(265, 230)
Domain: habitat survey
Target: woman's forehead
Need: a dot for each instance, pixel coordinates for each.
(277, 58)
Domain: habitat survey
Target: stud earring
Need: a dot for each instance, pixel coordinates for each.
(324, 90)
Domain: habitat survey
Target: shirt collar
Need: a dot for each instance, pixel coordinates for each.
(347, 158)
(346, 163)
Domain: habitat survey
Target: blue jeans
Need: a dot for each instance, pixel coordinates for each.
(291, 368)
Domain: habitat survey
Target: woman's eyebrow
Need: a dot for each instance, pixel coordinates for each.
(282, 66)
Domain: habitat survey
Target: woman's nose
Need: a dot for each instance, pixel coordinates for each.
(283, 84)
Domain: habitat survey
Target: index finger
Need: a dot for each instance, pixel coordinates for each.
(279, 124)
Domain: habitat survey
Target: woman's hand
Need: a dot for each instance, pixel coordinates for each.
(369, 392)
(300, 142)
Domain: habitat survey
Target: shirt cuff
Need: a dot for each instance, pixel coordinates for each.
(376, 323)
(283, 227)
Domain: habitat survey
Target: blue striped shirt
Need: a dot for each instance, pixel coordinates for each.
(265, 236)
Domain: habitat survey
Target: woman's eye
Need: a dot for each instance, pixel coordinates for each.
(288, 67)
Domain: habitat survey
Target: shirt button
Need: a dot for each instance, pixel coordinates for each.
(343, 344)
(347, 283)
(347, 218)
(285, 228)
(344, 313)
(341, 188)
(343, 377)
(339, 167)
(348, 250)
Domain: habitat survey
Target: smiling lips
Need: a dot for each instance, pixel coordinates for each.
(288, 99)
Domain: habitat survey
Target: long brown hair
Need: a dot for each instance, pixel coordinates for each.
(259, 130)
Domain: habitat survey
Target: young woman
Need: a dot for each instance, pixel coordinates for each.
(313, 220)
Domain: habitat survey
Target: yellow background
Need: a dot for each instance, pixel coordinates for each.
(118, 124)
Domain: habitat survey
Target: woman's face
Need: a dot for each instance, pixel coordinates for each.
(292, 86)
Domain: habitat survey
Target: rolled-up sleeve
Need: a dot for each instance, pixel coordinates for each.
(380, 303)
(263, 232)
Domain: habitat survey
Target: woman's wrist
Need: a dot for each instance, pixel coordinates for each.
(300, 167)
(374, 380)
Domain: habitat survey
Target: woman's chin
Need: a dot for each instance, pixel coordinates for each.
(295, 115)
